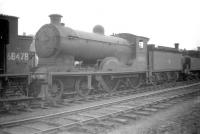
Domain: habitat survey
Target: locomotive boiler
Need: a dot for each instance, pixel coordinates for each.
(64, 45)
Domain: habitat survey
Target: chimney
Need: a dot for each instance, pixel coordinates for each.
(198, 48)
(176, 45)
(55, 19)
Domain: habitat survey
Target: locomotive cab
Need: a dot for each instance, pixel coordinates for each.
(186, 64)
(139, 51)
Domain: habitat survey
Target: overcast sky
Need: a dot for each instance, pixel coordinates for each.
(163, 21)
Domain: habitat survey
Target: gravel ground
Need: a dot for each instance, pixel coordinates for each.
(182, 118)
(179, 119)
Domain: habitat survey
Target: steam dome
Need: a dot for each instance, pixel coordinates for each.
(98, 29)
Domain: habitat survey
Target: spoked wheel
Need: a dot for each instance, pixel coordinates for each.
(81, 87)
(175, 76)
(122, 84)
(56, 91)
(112, 84)
(197, 76)
(164, 77)
(169, 76)
(135, 82)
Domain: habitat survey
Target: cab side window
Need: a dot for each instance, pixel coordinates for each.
(141, 44)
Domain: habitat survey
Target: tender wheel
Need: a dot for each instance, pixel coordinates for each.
(164, 77)
(169, 76)
(56, 91)
(81, 87)
(175, 76)
(154, 79)
(135, 82)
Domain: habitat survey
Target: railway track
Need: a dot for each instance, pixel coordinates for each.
(101, 96)
(102, 116)
(37, 110)
(73, 100)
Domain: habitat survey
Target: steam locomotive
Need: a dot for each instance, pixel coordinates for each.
(72, 61)
(77, 62)
(15, 63)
